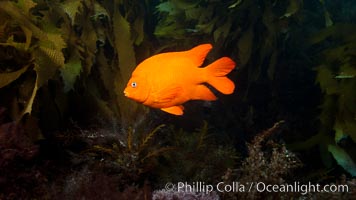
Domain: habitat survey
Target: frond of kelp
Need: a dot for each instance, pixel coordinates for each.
(47, 52)
(336, 76)
(72, 8)
(7, 78)
(232, 26)
(69, 36)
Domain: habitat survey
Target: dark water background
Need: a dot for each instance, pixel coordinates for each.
(291, 117)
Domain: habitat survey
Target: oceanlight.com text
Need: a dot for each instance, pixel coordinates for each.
(296, 187)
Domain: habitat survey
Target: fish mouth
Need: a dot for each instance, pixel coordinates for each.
(126, 93)
(132, 95)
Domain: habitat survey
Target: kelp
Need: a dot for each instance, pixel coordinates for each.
(7, 78)
(67, 40)
(46, 52)
(75, 37)
(336, 73)
(232, 25)
(127, 62)
(343, 159)
(86, 50)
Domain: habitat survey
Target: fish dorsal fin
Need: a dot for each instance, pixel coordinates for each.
(174, 110)
(198, 53)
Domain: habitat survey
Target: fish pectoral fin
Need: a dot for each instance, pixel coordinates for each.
(174, 110)
(168, 94)
(202, 92)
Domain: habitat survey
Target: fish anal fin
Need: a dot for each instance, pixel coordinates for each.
(198, 53)
(174, 110)
(201, 92)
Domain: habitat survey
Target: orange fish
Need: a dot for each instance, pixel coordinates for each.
(167, 80)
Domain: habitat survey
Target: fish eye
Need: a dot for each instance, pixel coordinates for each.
(133, 84)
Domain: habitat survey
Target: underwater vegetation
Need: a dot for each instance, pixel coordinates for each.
(336, 70)
(68, 132)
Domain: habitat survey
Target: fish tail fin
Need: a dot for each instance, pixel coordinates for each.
(216, 75)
